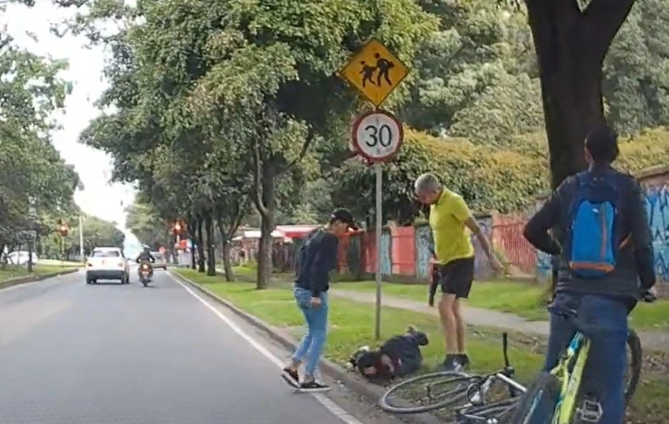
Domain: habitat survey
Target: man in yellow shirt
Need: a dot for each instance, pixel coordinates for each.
(452, 223)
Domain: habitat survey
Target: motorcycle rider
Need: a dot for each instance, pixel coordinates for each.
(145, 256)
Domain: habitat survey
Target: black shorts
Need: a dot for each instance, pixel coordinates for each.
(455, 277)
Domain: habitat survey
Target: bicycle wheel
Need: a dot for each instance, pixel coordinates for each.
(634, 368)
(427, 392)
(538, 404)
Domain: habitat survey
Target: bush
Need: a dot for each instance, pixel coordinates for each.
(489, 178)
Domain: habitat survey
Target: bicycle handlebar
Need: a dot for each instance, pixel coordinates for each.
(505, 349)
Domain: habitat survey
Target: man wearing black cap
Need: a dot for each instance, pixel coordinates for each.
(316, 259)
(604, 260)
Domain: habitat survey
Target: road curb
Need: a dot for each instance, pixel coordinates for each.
(370, 392)
(32, 278)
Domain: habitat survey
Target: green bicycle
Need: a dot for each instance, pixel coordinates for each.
(555, 396)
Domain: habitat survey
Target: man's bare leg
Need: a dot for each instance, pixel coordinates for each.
(448, 323)
(461, 327)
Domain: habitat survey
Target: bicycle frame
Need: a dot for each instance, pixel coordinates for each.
(576, 353)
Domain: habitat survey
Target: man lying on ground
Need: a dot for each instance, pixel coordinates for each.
(397, 357)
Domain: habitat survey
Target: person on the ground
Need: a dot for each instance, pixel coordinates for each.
(399, 356)
(316, 260)
(603, 243)
(451, 223)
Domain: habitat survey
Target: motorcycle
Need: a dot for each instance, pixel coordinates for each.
(145, 273)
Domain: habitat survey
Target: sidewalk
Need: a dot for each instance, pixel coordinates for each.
(489, 318)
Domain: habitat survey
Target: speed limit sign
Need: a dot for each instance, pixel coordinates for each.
(377, 135)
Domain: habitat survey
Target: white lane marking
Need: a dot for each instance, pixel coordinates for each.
(324, 400)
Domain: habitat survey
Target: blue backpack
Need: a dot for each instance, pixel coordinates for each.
(592, 243)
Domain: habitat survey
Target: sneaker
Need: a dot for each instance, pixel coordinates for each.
(452, 363)
(292, 376)
(463, 358)
(314, 387)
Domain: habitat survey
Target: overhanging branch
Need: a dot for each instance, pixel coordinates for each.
(604, 19)
(311, 135)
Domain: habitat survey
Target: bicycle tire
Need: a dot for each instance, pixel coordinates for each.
(545, 389)
(634, 345)
(453, 397)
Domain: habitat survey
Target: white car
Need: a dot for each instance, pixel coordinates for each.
(160, 260)
(20, 258)
(107, 263)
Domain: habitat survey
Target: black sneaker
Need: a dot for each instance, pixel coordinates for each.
(452, 363)
(463, 358)
(291, 376)
(313, 387)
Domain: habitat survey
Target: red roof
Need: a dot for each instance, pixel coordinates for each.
(296, 231)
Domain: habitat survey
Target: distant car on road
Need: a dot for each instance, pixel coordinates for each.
(160, 260)
(107, 263)
(21, 258)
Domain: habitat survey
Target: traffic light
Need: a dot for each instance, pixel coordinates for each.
(177, 228)
(63, 230)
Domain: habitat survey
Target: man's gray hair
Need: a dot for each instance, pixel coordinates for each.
(427, 182)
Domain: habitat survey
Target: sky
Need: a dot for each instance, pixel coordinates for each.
(100, 198)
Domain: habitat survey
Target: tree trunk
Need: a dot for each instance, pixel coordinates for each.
(211, 245)
(227, 265)
(571, 46)
(267, 225)
(192, 228)
(200, 247)
(225, 242)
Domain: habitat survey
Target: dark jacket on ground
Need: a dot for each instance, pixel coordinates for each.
(316, 258)
(405, 352)
(636, 258)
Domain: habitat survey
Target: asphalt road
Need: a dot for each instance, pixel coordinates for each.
(107, 353)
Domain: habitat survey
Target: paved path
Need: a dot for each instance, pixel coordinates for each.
(111, 354)
(490, 318)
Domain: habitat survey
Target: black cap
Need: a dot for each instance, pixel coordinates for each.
(345, 216)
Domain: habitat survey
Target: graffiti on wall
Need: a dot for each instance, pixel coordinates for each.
(481, 265)
(386, 260)
(657, 208)
(423, 239)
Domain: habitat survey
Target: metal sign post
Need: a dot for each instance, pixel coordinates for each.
(378, 170)
(375, 72)
(377, 136)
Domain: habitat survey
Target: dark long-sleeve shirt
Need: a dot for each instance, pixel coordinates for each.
(636, 258)
(317, 257)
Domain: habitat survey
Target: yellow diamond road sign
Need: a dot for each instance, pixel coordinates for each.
(374, 71)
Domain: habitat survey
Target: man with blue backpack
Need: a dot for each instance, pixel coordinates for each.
(604, 257)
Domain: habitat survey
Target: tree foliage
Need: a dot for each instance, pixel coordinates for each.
(34, 180)
(229, 112)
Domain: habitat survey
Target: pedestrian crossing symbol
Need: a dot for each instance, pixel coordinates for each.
(374, 71)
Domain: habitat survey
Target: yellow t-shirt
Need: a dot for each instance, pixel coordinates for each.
(451, 235)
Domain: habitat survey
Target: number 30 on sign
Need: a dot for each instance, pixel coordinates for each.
(377, 135)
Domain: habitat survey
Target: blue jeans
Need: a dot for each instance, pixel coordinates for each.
(313, 342)
(606, 321)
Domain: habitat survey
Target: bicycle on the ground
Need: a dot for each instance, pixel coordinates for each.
(556, 396)
(457, 390)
